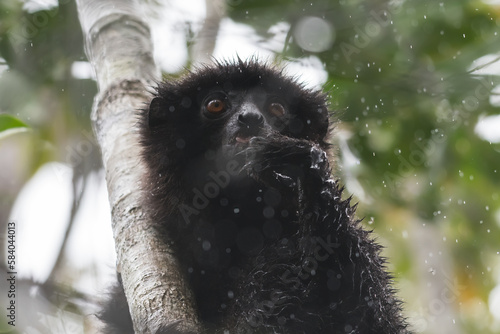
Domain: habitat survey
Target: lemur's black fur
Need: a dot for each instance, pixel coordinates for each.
(239, 177)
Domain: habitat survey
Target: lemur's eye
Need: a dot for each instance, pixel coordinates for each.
(216, 106)
(276, 109)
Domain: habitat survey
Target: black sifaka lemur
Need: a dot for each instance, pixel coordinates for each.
(238, 175)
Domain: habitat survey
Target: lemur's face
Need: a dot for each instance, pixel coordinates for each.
(218, 110)
(243, 115)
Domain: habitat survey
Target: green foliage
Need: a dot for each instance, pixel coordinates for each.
(401, 78)
(38, 49)
(8, 122)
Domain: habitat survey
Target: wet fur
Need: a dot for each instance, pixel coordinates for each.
(276, 249)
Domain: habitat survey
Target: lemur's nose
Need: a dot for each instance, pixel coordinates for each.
(250, 119)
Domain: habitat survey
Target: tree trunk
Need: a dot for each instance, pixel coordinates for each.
(119, 47)
(204, 45)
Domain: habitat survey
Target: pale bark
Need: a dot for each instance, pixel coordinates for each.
(119, 47)
(439, 289)
(204, 45)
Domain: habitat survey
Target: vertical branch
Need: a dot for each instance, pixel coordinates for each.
(119, 47)
(204, 45)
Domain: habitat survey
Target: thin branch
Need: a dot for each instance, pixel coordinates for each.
(204, 45)
(480, 67)
(77, 198)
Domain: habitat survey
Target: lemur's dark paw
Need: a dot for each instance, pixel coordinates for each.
(280, 161)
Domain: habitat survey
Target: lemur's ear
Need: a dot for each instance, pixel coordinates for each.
(157, 114)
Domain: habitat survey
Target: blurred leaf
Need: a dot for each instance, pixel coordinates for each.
(9, 122)
(10, 125)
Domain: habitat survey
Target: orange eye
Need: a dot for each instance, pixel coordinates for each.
(216, 106)
(276, 109)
